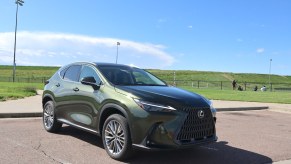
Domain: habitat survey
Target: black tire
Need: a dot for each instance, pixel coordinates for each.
(120, 139)
(49, 119)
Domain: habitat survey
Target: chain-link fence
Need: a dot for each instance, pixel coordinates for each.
(24, 80)
(218, 85)
(227, 85)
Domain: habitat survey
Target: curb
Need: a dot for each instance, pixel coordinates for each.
(20, 115)
(242, 108)
(39, 114)
(288, 161)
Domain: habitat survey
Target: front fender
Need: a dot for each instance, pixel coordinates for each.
(109, 109)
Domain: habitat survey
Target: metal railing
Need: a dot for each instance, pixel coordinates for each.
(24, 80)
(200, 84)
(227, 85)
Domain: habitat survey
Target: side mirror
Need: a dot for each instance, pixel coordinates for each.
(90, 80)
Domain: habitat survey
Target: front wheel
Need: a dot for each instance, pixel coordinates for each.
(50, 122)
(116, 137)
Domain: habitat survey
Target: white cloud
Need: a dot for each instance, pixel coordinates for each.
(190, 26)
(44, 48)
(260, 50)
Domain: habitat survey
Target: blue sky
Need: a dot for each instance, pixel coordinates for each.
(226, 35)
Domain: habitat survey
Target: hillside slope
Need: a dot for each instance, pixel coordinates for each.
(167, 75)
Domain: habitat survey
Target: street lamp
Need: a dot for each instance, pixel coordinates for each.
(118, 44)
(270, 72)
(18, 2)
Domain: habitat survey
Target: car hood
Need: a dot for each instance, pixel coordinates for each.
(164, 95)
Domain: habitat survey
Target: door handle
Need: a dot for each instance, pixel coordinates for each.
(58, 85)
(76, 89)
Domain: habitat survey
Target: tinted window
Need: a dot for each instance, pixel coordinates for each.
(62, 73)
(145, 78)
(89, 71)
(121, 75)
(72, 73)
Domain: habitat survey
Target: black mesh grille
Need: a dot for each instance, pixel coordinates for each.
(195, 128)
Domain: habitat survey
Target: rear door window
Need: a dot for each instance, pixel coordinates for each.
(73, 73)
(62, 73)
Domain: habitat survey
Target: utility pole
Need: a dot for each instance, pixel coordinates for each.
(270, 74)
(174, 78)
(118, 44)
(18, 2)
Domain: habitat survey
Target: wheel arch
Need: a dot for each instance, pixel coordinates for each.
(46, 98)
(108, 110)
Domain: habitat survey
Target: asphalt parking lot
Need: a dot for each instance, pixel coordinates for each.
(244, 137)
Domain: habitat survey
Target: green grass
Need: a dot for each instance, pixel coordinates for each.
(167, 75)
(211, 82)
(28, 71)
(251, 96)
(10, 90)
(187, 75)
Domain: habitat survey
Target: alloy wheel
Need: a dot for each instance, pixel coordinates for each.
(48, 116)
(114, 137)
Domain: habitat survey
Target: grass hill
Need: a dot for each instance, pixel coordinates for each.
(167, 75)
(28, 71)
(213, 85)
(219, 76)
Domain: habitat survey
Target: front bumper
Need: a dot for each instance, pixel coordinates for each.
(179, 129)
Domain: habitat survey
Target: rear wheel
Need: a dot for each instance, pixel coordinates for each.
(50, 122)
(116, 137)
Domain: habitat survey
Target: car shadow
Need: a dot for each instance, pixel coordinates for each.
(82, 135)
(218, 152)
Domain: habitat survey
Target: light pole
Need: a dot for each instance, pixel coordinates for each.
(270, 72)
(118, 44)
(18, 2)
(174, 78)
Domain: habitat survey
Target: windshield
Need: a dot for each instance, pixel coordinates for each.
(123, 75)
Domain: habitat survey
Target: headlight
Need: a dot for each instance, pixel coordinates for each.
(153, 107)
(213, 110)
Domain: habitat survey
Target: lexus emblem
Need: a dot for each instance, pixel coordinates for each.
(200, 114)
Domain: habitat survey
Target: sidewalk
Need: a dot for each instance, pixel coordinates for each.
(27, 107)
(240, 105)
(32, 107)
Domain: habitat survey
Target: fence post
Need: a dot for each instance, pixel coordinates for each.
(220, 85)
(175, 78)
(245, 85)
(198, 83)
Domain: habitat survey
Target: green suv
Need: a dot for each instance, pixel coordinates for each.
(128, 107)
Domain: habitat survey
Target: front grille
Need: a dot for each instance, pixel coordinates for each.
(195, 128)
